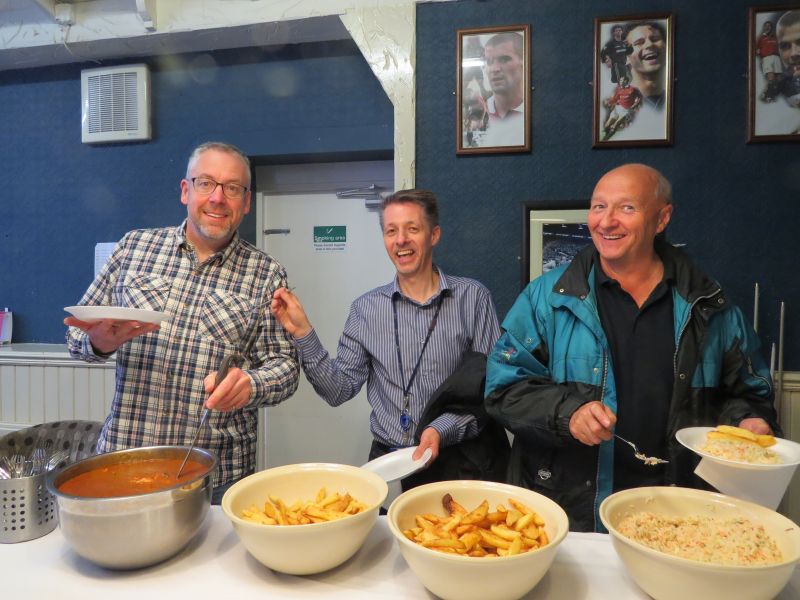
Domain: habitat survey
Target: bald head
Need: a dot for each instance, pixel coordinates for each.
(653, 184)
(630, 206)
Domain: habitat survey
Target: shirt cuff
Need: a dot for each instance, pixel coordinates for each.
(309, 345)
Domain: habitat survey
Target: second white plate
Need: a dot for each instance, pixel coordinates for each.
(694, 438)
(116, 313)
(398, 464)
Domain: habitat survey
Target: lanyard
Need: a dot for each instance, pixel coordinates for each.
(405, 419)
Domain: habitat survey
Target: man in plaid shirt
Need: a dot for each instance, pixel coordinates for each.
(217, 289)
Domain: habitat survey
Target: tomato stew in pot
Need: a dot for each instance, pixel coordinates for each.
(132, 478)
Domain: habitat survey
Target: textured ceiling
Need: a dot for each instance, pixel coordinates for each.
(31, 36)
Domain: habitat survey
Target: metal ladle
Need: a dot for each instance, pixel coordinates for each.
(230, 360)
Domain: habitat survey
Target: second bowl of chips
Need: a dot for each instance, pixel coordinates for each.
(305, 518)
(445, 547)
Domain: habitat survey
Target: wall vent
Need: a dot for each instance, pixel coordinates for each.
(115, 104)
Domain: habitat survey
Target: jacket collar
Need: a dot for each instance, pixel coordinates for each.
(690, 283)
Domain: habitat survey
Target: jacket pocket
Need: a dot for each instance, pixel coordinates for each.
(140, 290)
(224, 317)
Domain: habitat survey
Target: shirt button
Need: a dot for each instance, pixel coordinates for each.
(720, 300)
(528, 340)
(560, 290)
(682, 376)
(596, 369)
(588, 483)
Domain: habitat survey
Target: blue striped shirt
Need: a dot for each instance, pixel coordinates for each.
(367, 353)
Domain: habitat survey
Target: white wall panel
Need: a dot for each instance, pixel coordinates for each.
(47, 385)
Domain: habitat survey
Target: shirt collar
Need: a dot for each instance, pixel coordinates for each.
(493, 110)
(444, 287)
(605, 280)
(181, 241)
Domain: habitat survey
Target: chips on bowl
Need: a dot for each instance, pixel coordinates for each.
(479, 532)
(325, 507)
(456, 573)
(304, 549)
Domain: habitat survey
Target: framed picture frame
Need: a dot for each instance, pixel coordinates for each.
(633, 80)
(493, 92)
(773, 73)
(552, 237)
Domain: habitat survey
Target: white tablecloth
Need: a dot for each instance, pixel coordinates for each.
(216, 565)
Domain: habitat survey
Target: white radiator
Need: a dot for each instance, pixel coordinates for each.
(40, 383)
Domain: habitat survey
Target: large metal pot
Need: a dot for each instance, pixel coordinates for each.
(134, 531)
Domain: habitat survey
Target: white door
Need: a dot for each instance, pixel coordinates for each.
(327, 275)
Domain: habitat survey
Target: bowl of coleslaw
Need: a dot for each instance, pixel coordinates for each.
(680, 543)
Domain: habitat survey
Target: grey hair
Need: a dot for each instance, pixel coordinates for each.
(663, 189)
(219, 147)
(422, 198)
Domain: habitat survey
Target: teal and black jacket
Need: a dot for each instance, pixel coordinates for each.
(553, 356)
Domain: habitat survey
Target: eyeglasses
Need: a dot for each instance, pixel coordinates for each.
(206, 186)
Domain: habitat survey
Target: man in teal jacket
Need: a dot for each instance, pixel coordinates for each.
(630, 338)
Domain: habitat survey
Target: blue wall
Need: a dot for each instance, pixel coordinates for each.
(736, 204)
(60, 197)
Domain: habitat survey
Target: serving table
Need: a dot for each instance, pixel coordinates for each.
(216, 565)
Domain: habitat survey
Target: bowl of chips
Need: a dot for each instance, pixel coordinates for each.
(680, 543)
(477, 539)
(305, 518)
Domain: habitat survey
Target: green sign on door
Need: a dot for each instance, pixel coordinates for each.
(330, 237)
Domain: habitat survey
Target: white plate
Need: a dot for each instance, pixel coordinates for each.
(695, 437)
(398, 464)
(116, 313)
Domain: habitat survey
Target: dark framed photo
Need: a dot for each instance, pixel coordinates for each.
(773, 73)
(633, 75)
(493, 99)
(552, 237)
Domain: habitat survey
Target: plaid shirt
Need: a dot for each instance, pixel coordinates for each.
(368, 353)
(217, 306)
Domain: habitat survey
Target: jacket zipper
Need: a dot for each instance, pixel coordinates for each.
(597, 468)
(683, 329)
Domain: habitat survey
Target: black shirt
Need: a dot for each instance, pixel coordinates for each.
(642, 343)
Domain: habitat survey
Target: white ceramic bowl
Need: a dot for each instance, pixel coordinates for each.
(468, 578)
(304, 549)
(665, 577)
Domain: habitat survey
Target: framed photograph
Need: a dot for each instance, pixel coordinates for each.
(773, 73)
(493, 92)
(552, 238)
(633, 75)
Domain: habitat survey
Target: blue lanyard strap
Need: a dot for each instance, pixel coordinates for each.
(405, 420)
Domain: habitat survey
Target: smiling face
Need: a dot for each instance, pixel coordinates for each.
(625, 216)
(213, 219)
(789, 46)
(409, 239)
(648, 49)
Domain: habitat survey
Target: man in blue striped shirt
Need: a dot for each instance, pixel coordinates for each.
(404, 338)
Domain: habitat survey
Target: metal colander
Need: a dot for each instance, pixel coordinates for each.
(27, 509)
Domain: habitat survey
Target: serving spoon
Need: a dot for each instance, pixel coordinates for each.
(230, 360)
